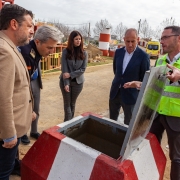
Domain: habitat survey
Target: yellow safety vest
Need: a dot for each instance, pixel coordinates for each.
(170, 101)
(153, 94)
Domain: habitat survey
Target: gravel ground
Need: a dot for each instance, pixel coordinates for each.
(94, 98)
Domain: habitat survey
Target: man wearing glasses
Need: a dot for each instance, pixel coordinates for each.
(168, 113)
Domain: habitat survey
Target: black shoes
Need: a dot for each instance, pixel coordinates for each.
(35, 135)
(16, 172)
(25, 140)
(17, 168)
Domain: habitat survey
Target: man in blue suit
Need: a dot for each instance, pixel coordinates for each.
(130, 64)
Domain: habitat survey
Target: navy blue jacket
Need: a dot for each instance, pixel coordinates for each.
(32, 59)
(134, 71)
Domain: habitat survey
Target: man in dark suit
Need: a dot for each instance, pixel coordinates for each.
(168, 112)
(130, 64)
(43, 44)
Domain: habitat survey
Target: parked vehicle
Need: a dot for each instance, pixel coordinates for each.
(153, 48)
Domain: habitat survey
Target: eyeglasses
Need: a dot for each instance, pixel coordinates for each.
(166, 37)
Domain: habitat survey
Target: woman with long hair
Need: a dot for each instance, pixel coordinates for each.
(73, 64)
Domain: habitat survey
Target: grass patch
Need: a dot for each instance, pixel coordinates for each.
(107, 58)
(107, 61)
(99, 63)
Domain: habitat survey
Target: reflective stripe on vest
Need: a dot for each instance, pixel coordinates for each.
(170, 101)
(153, 95)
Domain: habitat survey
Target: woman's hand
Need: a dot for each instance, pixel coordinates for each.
(34, 115)
(66, 88)
(66, 75)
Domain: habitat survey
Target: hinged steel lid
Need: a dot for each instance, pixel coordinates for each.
(145, 109)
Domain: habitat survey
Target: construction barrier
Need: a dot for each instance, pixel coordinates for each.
(119, 46)
(2, 2)
(51, 62)
(142, 43)
(104, 41)
(87, 148)
(111, 53)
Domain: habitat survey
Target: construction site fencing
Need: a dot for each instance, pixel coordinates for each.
(51, 63)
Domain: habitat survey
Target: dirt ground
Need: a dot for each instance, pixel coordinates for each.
(93, 98)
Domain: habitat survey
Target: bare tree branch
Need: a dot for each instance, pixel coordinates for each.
(99, 26)
(146, 30)
(157, 33)
(120, 31)
(168, 22)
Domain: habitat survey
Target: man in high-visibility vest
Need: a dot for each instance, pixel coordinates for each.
(168, 113)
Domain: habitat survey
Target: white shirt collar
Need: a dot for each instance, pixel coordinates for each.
(18, 49)
(176, 57)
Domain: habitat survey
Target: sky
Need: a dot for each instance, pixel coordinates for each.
(129, 12)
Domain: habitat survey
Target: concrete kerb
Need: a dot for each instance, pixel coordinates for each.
(63, 157)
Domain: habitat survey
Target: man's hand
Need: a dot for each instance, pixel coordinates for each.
(133, 84)
(10, 144)
(174, 75)
(66, 88)
(66, 75)
(34, 115)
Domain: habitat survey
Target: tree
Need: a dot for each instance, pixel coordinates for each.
(163, 24)
(101, 25)
(84, 30)
(168, 22)
(66, 30)
(157, 33)
(146, 30)
(120, 31)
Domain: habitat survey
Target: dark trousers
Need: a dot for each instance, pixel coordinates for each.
(114, 108)
(69, 98)
(7, 160)
(159, 125)
(36, 95)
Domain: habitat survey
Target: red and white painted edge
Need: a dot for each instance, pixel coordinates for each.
(55, 156)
